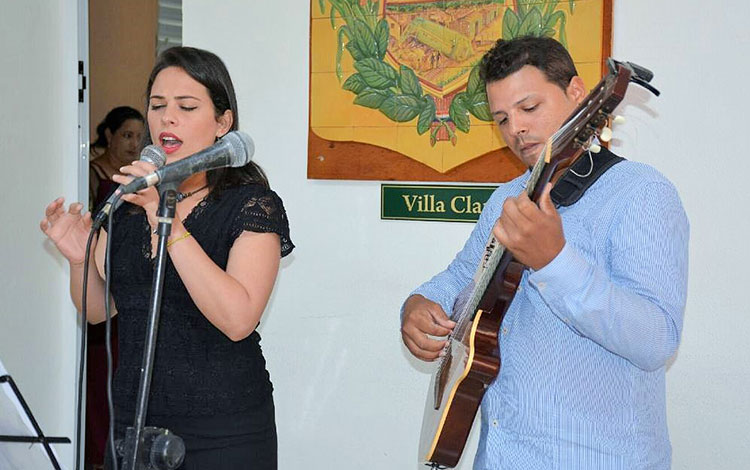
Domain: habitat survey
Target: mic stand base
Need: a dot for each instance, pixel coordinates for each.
(159, 448)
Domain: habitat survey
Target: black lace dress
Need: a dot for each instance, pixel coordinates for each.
(211, 391)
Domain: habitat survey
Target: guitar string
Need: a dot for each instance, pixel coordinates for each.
(591, 167)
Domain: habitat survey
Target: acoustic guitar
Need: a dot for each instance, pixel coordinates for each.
(472, 357)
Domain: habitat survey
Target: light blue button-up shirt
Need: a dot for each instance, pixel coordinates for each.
(585, 342)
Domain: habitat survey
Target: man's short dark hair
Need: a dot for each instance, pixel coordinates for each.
(546, 54)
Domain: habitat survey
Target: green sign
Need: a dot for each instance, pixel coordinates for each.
(440, 203)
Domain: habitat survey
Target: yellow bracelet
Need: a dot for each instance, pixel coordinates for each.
(181, 237)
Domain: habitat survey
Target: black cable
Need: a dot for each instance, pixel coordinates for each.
(84, 331)
(108, 335)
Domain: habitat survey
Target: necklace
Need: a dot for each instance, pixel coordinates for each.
(182, 196)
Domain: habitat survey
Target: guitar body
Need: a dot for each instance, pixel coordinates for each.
(471, 363)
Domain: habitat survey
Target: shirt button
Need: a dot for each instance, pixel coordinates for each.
(519, 289)
(542, 285)
(494, 423)
(505, 330)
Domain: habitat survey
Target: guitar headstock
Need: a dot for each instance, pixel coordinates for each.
(593, 118)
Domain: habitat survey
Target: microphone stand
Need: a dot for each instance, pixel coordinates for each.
(150, 448)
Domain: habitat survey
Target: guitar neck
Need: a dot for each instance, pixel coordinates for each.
(493, 254)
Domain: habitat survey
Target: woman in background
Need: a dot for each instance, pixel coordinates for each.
(118, 142)
(210, 385)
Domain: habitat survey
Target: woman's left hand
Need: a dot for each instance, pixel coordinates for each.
(147, 198)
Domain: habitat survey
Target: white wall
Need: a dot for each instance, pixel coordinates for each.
(693, 133)
(38, 148)
(346, 391)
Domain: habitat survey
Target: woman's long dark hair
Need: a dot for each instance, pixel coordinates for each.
(209, 70)
(112, 121)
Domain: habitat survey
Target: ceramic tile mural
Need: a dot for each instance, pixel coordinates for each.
(395, 92)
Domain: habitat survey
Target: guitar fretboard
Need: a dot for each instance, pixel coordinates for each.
(493, 252)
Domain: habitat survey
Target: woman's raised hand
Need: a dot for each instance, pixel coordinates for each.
(68, 230)
(147, 198)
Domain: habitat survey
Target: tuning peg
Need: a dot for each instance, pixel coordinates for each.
(618, 120)
(606, 134)
(595, 148)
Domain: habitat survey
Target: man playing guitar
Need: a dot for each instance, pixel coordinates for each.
(599, 311)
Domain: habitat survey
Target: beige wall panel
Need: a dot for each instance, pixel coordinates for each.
(122, 45)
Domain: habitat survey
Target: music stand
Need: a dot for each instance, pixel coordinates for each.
(18, 426)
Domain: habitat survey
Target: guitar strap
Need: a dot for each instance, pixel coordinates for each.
(581, 175)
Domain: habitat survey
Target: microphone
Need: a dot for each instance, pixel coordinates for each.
(152, 154)
(234, 149)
